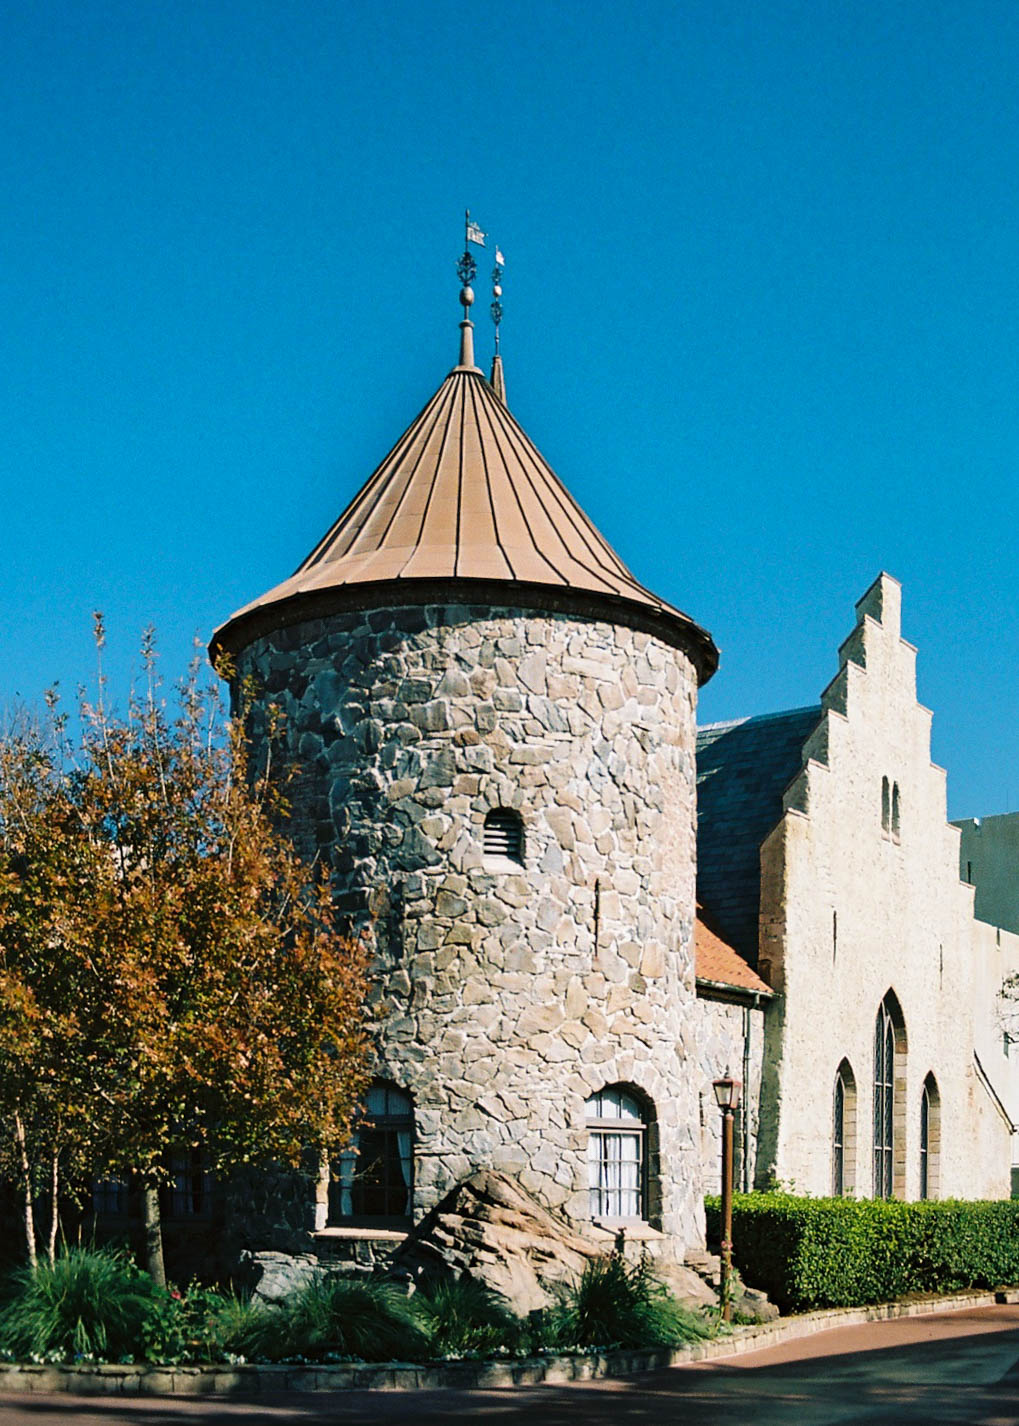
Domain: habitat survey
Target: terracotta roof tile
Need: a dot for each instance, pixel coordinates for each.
(716, 961)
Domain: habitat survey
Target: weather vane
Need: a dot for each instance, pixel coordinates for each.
(467, 268)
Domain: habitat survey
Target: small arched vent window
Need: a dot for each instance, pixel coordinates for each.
(504, 837)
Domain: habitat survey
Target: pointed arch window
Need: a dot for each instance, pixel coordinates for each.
(889, 1092)
(930, 1138)
(844, 1132)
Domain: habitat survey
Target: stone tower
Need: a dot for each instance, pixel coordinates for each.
(494, 727)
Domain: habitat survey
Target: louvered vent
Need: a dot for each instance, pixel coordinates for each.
(504, 836)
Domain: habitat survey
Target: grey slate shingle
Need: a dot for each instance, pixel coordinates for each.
(743, 768)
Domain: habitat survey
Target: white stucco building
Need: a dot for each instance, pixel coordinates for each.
(827, 862)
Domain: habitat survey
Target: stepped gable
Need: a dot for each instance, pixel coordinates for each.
(743, 768)
(464, 497)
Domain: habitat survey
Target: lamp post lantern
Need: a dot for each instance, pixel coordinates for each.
(727, 1094)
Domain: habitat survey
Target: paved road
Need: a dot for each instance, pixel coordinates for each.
(959, 1367)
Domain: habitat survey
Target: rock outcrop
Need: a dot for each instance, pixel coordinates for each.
(492, 1230)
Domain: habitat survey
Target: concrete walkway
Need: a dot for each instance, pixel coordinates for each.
(958, 1367)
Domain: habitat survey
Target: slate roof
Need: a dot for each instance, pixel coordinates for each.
(743, 768)
(717, 962)
(465, 495)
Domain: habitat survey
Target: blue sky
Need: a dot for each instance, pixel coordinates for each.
(761, 311)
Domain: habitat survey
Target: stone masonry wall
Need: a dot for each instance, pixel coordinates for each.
(512, 994)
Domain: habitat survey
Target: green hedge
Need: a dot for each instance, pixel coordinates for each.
(837, 1252)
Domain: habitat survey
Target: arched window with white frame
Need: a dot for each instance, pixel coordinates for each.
(618, 1121)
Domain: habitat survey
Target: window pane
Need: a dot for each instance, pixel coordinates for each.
(614, 1104)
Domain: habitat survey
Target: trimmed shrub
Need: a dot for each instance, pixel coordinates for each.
(840, 1252)
(332, 1318)
(90, 1303)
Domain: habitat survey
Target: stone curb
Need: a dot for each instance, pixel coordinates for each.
(250, 1380)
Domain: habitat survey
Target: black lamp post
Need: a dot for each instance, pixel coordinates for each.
(727, 1094)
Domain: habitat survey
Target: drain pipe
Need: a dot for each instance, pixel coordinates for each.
(745, 1119)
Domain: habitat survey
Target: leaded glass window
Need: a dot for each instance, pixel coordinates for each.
(884, 1102)
(838, 1171)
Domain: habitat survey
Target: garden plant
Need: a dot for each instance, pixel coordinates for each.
(94, 1304)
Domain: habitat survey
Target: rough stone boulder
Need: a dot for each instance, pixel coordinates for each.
(272, 1277)
(492, 1230)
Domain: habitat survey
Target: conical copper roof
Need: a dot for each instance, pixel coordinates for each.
(465, 496)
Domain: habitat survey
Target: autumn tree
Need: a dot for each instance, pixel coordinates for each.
(171, 973)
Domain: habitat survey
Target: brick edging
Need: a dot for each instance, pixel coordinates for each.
(251, 1380)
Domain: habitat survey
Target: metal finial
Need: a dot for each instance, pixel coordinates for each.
(496, 307)
(466, 270)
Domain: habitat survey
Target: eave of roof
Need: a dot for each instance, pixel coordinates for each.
(719, 966)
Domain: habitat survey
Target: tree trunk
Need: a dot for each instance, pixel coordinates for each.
(26, 1185)
(55, 1214)
(153, 1234)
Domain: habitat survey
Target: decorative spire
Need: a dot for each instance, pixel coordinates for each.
(467, 270)
(498, 377)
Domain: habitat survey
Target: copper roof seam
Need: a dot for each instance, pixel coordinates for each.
(454, 380)
(349, 529)
(447, 388)
(559, 578)
(388, 473)
(604, 574)
(555, 490)
(460, 480)
(583, 525)
(488, 487)
(425, 422)
(366, 490)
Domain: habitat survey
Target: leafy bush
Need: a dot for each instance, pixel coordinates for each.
(330, 1318)
(189, 1326)
(90, 1303)
(837, 1252)
(617, 1305)
(464, 1318)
